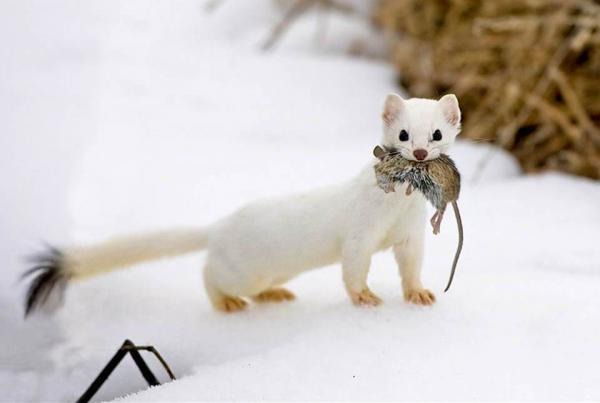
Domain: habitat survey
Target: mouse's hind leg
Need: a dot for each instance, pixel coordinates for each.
(433, 220)
(436, 221)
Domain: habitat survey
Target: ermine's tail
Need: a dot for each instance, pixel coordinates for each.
(55, 268)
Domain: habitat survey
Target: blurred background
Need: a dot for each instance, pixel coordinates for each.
(119, 117)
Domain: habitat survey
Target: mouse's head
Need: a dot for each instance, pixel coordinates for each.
(420, 129)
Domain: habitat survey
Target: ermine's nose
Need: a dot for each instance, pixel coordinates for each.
(420, 154)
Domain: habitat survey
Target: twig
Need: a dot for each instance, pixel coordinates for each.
(572, 101)
(156, 354)
(554, 114)
(133, 350)
(295, 10)
(211, 5)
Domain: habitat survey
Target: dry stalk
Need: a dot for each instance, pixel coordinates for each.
(527, 72)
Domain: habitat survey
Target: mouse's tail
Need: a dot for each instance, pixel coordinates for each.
(53, 269)
(460, 244)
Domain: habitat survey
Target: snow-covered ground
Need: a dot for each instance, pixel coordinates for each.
(124, 117)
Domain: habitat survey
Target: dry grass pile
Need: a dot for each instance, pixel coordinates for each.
(527, 72)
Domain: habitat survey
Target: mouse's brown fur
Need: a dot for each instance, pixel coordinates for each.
(438, 180)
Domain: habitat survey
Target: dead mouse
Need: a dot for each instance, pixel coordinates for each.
(438, 180)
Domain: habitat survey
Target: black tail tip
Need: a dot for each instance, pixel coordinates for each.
(48, 281)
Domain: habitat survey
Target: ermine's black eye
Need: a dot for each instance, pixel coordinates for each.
(437, 135)
(403, 135)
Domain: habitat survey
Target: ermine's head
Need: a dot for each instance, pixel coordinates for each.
(420, 129)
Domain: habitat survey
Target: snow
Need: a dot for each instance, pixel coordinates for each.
(130, 116)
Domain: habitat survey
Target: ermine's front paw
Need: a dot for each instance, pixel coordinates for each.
(365, 297)
(419, 296)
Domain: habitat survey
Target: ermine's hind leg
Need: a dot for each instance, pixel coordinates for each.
(274, 295)
(219, 300)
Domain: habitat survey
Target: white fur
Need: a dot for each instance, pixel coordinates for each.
(420, 118)
(121, 252)
(268, 242)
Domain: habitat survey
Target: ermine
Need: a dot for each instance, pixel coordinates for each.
(252, 252)
(438, 180)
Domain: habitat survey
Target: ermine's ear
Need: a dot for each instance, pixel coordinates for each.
(393, 105)
(450, 109)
